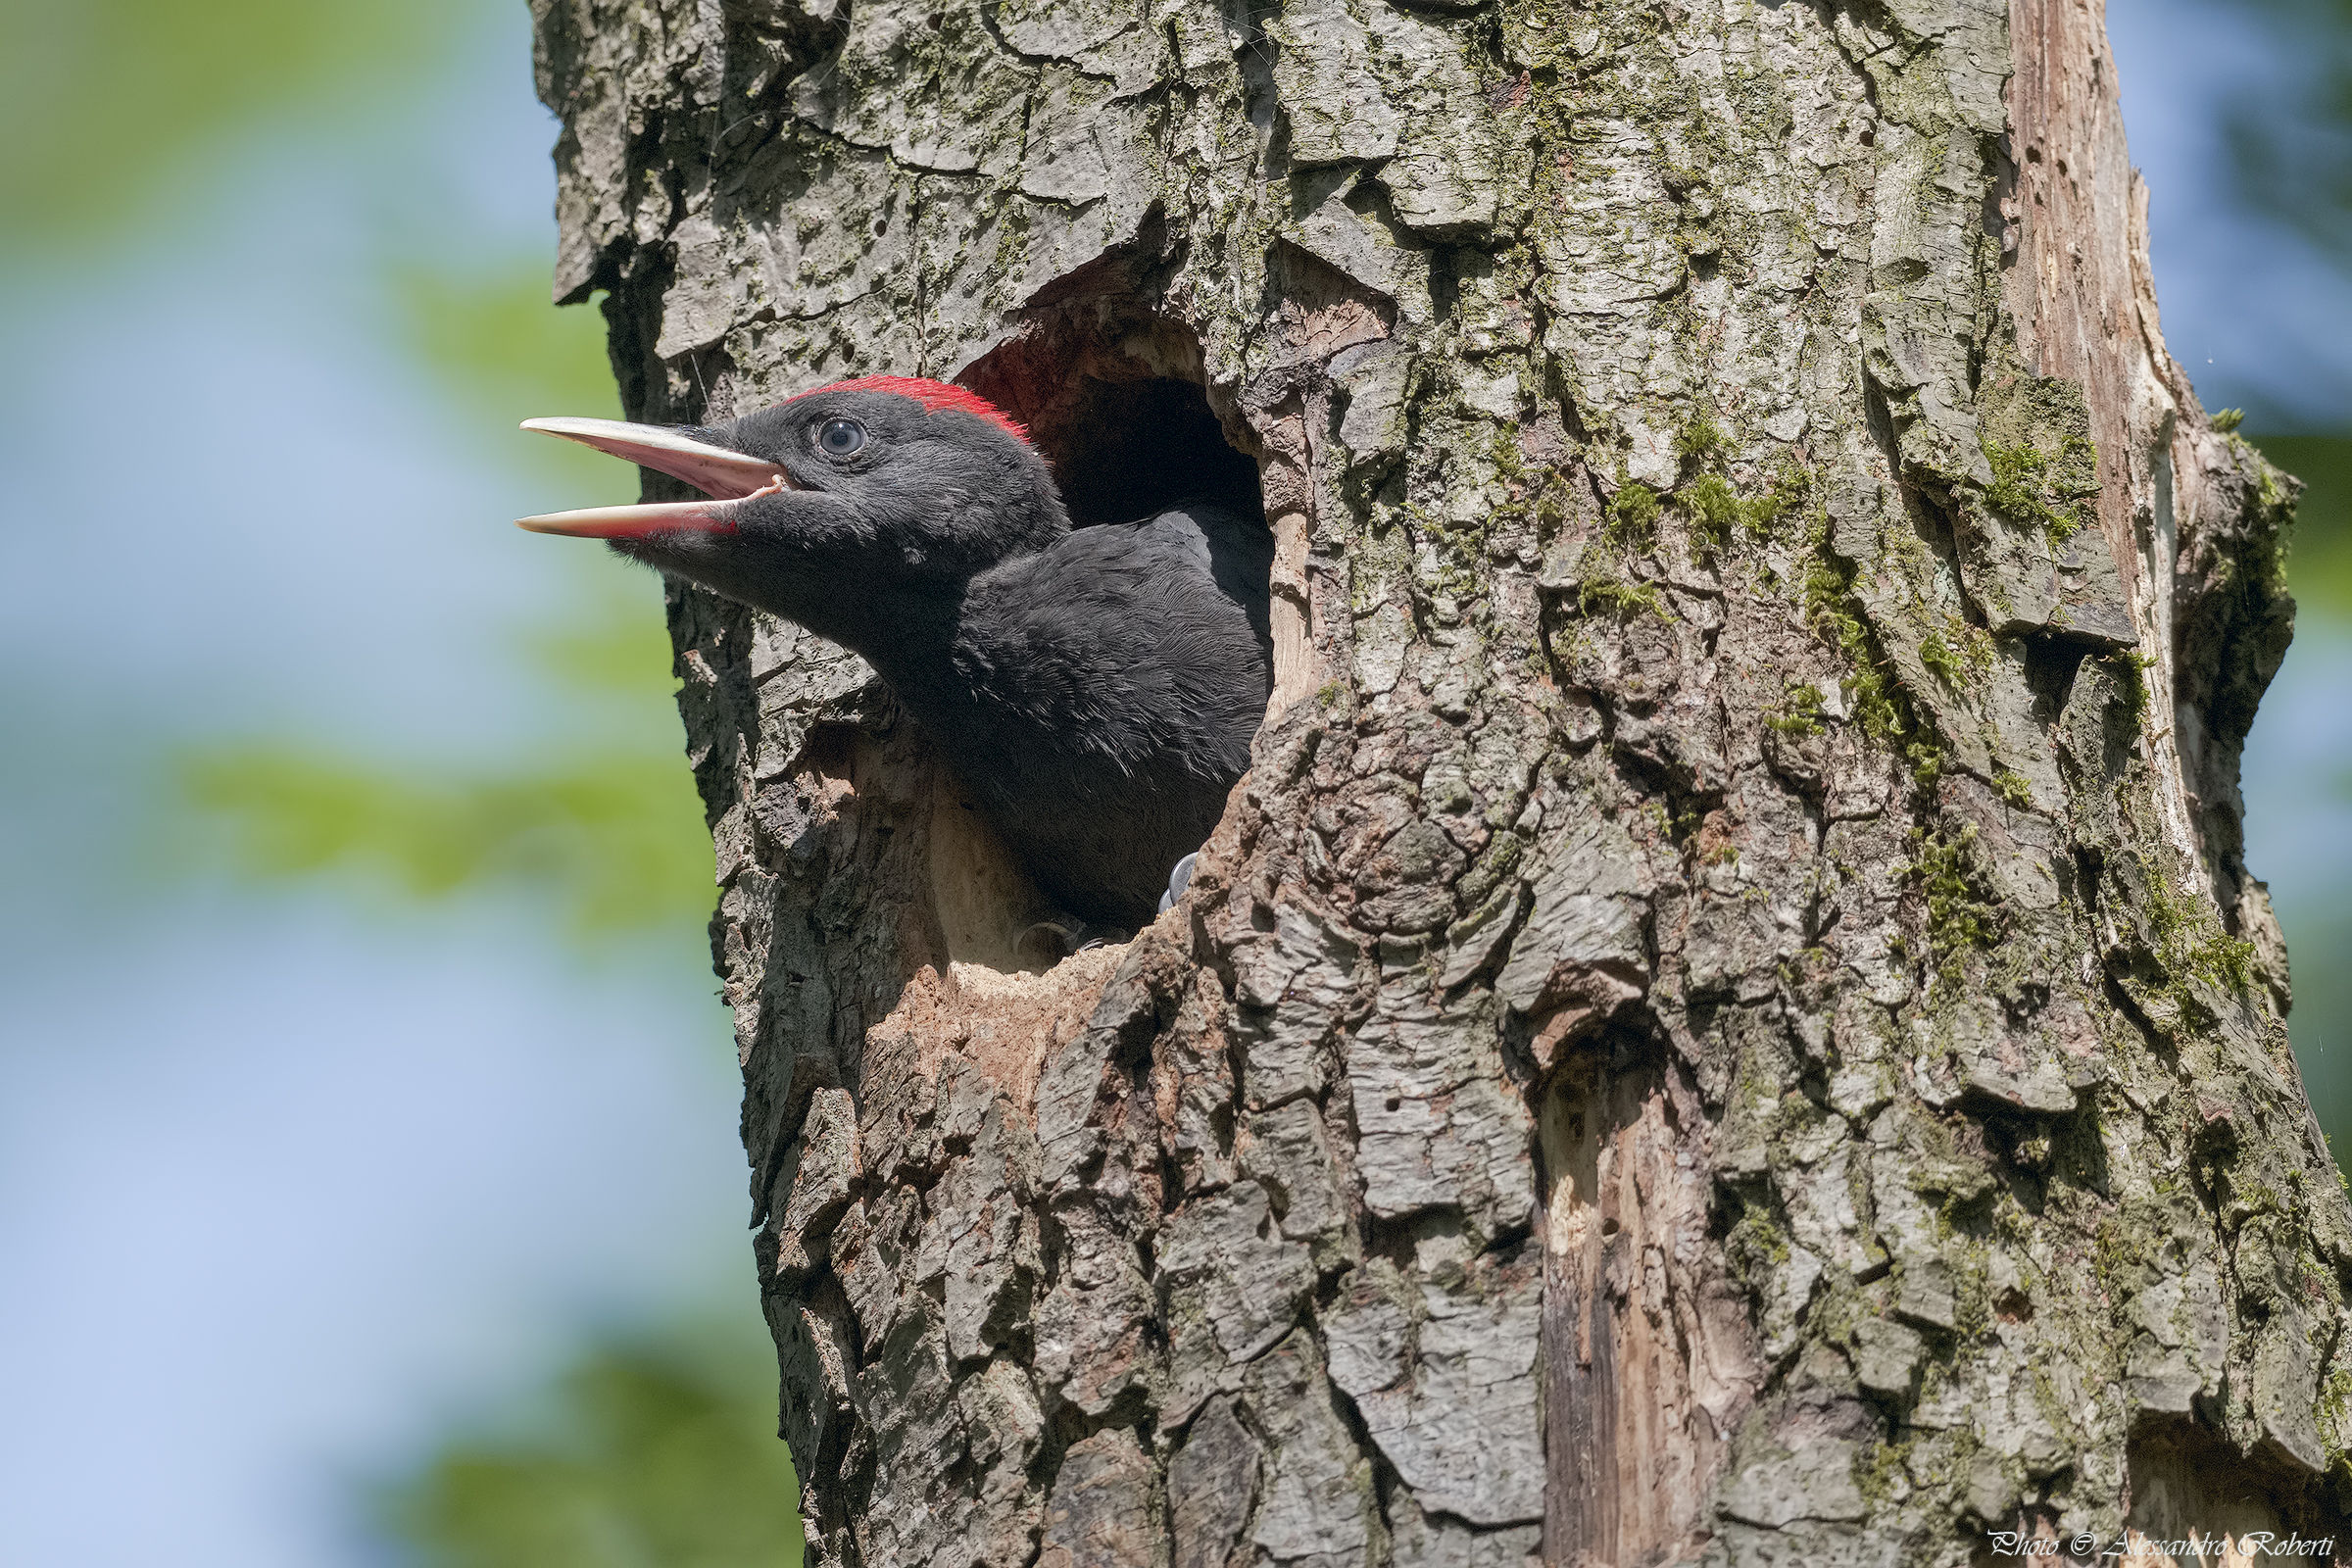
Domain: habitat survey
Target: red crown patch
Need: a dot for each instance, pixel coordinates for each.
(932, 395)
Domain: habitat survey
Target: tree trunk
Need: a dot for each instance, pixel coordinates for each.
(1728, 1021)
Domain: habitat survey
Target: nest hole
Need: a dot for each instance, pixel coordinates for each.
(1126, 432)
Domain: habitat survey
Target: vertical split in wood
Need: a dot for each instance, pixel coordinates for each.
(1637, 1411)
(1581, 1497)
(1286, 476)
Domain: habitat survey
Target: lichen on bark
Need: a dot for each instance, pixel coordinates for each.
(1727, 1019)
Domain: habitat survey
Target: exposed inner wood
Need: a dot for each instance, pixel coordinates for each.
(1638, 1403)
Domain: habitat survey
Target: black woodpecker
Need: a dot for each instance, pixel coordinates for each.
(1095, 689)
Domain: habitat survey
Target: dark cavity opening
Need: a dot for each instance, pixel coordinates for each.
(1116, 402)
(1134, 448)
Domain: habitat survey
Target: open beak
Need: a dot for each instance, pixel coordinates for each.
(636, 523)
(714, 470)
(727, 476)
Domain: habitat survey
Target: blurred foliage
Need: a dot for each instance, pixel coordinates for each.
(495, 340)
(612, 832)
(2323, 1005)
(501, 354)
(600, 835)
(2319, 928)
(2318, 571)
(607, 828)
(105, 104)
(656, 1452)
(2318, 565)
(2290, 139)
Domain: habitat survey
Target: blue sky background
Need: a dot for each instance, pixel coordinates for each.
(2253, 308)
(291, 1182)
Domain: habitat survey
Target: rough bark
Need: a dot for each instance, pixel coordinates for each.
(1728, 1022)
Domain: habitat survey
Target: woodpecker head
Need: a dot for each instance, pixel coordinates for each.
(846, 508)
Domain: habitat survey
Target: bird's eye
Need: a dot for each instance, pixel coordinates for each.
(841, 438)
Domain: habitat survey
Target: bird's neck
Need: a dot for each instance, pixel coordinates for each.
(905, 630)
(931, 642)
(1017, 669)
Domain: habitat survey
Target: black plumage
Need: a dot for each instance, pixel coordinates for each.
(1094, 689)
